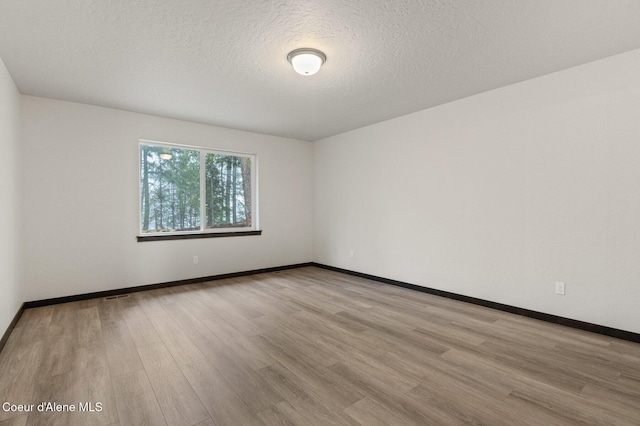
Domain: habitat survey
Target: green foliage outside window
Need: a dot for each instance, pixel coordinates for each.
(170, 189)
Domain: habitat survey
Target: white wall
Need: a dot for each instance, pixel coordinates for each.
(11, 295)
(499, 195)
(81, 201)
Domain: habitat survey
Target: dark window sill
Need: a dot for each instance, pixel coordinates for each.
(190, 236)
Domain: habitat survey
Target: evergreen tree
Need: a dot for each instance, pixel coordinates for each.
(170, 190)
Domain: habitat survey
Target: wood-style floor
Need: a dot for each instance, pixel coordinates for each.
(311, 347)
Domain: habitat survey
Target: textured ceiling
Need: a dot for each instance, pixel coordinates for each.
(224, 62)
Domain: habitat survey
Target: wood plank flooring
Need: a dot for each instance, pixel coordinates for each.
(310, 347)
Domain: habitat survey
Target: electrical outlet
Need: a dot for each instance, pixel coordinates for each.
(350, 253)
(560, 288)
(195, 260)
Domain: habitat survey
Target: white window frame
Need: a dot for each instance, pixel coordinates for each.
(203, 214)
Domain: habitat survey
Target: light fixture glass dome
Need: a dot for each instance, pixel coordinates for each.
(306, 61)
(165, 154)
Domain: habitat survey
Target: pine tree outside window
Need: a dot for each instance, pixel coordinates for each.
(195, 190)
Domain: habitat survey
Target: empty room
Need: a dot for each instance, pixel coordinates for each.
(319, 213)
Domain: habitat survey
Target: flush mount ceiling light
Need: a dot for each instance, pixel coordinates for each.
(165, 154)
(306, 61)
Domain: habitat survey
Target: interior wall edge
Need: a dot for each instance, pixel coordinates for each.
(147, 287)
(12, 325)
(555, 319)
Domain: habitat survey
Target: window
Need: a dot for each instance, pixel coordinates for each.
(195, 190)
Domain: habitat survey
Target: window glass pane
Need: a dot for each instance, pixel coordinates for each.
(228, 191)
(169, 189)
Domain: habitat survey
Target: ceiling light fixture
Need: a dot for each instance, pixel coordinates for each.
(306, 61)
(165, 154)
